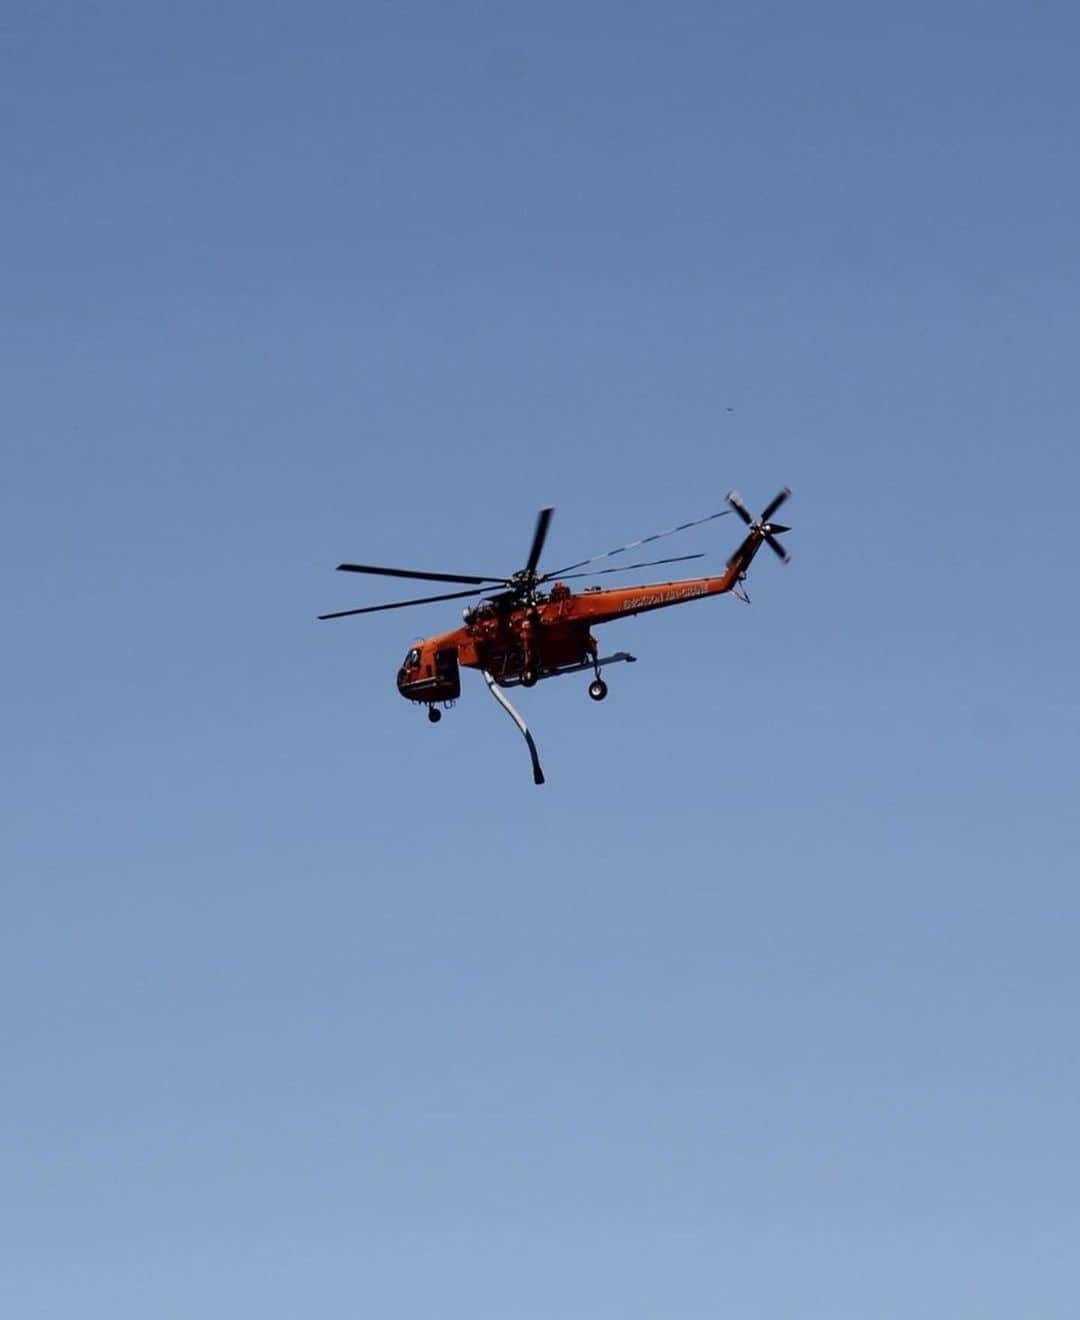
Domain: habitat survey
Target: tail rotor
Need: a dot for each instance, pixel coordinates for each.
(761, 529)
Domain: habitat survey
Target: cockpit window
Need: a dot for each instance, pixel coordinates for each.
(412, 660)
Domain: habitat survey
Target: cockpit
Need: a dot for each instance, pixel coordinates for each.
(429, 675)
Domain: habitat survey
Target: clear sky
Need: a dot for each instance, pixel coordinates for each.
(765, 1005)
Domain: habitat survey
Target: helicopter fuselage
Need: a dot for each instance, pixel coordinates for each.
(553, 633)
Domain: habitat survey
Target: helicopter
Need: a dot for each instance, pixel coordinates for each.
(531, 626)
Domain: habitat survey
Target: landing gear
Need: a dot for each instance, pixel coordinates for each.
(528, 678)
(597, 688)
(434, 714)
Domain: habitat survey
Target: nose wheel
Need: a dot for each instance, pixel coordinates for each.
(598, 689)
(434, 714)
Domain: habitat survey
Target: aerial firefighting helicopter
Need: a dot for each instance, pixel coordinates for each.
(525, 630)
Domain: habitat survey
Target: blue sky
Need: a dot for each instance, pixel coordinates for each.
(765, 1003)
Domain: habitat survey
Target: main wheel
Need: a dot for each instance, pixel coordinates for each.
(598, 689)
(528, 678)
(434, 715)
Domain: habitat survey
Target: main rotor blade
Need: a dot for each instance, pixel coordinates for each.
(775, 546)
(539, 537)
(625, 568)
(401, 604)
(740, 508)
(632, 545)
(424, 577)
(770, 509)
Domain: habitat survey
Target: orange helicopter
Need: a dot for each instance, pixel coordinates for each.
(525, 631)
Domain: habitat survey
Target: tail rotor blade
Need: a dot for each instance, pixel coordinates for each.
(770, 509)
(740, 508)
(777, 549)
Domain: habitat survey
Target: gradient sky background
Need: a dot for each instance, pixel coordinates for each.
(765, 1005)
